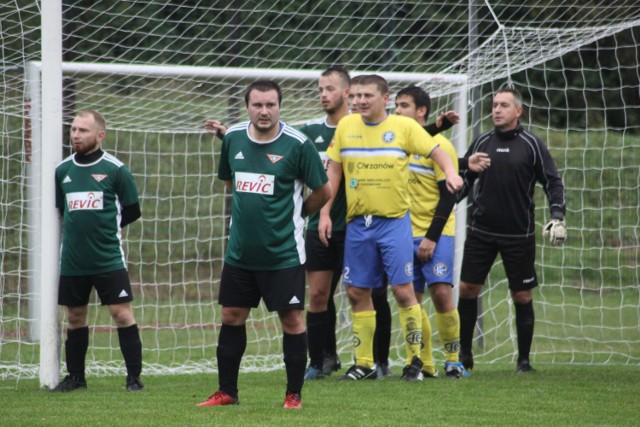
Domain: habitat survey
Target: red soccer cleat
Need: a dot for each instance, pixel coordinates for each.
(220, 398)
(292, 401)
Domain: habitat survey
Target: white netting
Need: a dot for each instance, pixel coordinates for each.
(575, 62)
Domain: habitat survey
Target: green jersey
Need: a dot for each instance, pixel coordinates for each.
(321, 134)
(268, 180)
(91, 197)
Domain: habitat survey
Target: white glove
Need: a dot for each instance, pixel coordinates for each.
(555, 231)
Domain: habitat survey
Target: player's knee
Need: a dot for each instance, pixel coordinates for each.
(470, 291)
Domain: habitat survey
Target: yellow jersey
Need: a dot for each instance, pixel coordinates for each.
(375, 162)
(424, 193)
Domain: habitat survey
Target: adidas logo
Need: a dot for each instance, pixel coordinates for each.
(239, 156)
(66, 179)
(123, 293)
(319, 140)
(294, 300)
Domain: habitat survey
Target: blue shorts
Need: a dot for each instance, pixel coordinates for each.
(438, 269)
(375, 246)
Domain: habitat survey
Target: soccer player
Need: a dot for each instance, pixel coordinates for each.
(324, 263)
(502, 220)
(433, 236)
(266, 163)
(97, 197)
(371, 150)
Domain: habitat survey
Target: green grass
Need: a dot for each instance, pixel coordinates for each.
(494, 395)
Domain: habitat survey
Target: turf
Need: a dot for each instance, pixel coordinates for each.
(494, 395)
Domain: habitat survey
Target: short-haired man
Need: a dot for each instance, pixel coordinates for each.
(266, 164)
(502, 220)
(97, 197)
(372, 150)
(434, 236)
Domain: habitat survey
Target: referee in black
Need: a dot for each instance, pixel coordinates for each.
(502, 220)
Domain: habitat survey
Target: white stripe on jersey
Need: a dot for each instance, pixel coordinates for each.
(373, 152)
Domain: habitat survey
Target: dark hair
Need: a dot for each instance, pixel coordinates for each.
(420, 97)
(355, 80)
(342, 73)
(517, 96)
(262, 86)
(101, 123)
(374, 79)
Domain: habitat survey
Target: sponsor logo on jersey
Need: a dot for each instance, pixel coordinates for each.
(85, 200)
(352, 136)
(319, 140)
(353, 183)
(257, 183)
(98, 176)
(440, 269)
(274, 158)
(66, 179)
(388, 137)
(363, 165)
(502, 150)
(239, 156)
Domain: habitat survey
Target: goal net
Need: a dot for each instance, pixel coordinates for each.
(574, 61)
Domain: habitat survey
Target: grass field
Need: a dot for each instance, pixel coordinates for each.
(493, 396)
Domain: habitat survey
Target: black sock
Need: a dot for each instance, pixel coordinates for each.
(382, 336)
(330, 319)
(468, 311)
(232, 343)
(131, 348)
(525, 320)
(316, 327)
(75, 348)
(294, 348)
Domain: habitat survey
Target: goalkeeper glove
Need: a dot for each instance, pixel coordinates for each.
(555, 231)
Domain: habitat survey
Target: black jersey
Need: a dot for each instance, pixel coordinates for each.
(503, 199)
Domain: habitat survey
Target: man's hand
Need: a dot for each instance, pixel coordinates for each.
(451, 116)
(426, 249)
(454, 183)
(556, 231)
(478, 162)
(215, 128)
(324, 229)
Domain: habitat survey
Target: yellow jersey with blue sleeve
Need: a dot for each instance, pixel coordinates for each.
(375, 160)
(424, 175)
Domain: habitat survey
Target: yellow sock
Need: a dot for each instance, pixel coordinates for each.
(364, 327)
(411, 324)
(448, 325)
(426, 351)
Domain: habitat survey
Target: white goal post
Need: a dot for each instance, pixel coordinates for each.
(45, 238)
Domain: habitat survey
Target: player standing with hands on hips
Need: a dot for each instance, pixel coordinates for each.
(502, 221)
(97, 197)
(266, 164)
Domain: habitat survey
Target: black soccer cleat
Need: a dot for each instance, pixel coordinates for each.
(413, 372)
(466, 358)
(70, 383)
(524, 367)
(357, 373)
(134, 383)
(330, 363)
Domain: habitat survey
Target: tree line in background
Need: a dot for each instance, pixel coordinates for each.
(386, 36)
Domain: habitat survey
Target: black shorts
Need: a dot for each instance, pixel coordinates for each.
(518, 256)
(112, 287)
(321, 257)
(281, 289)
